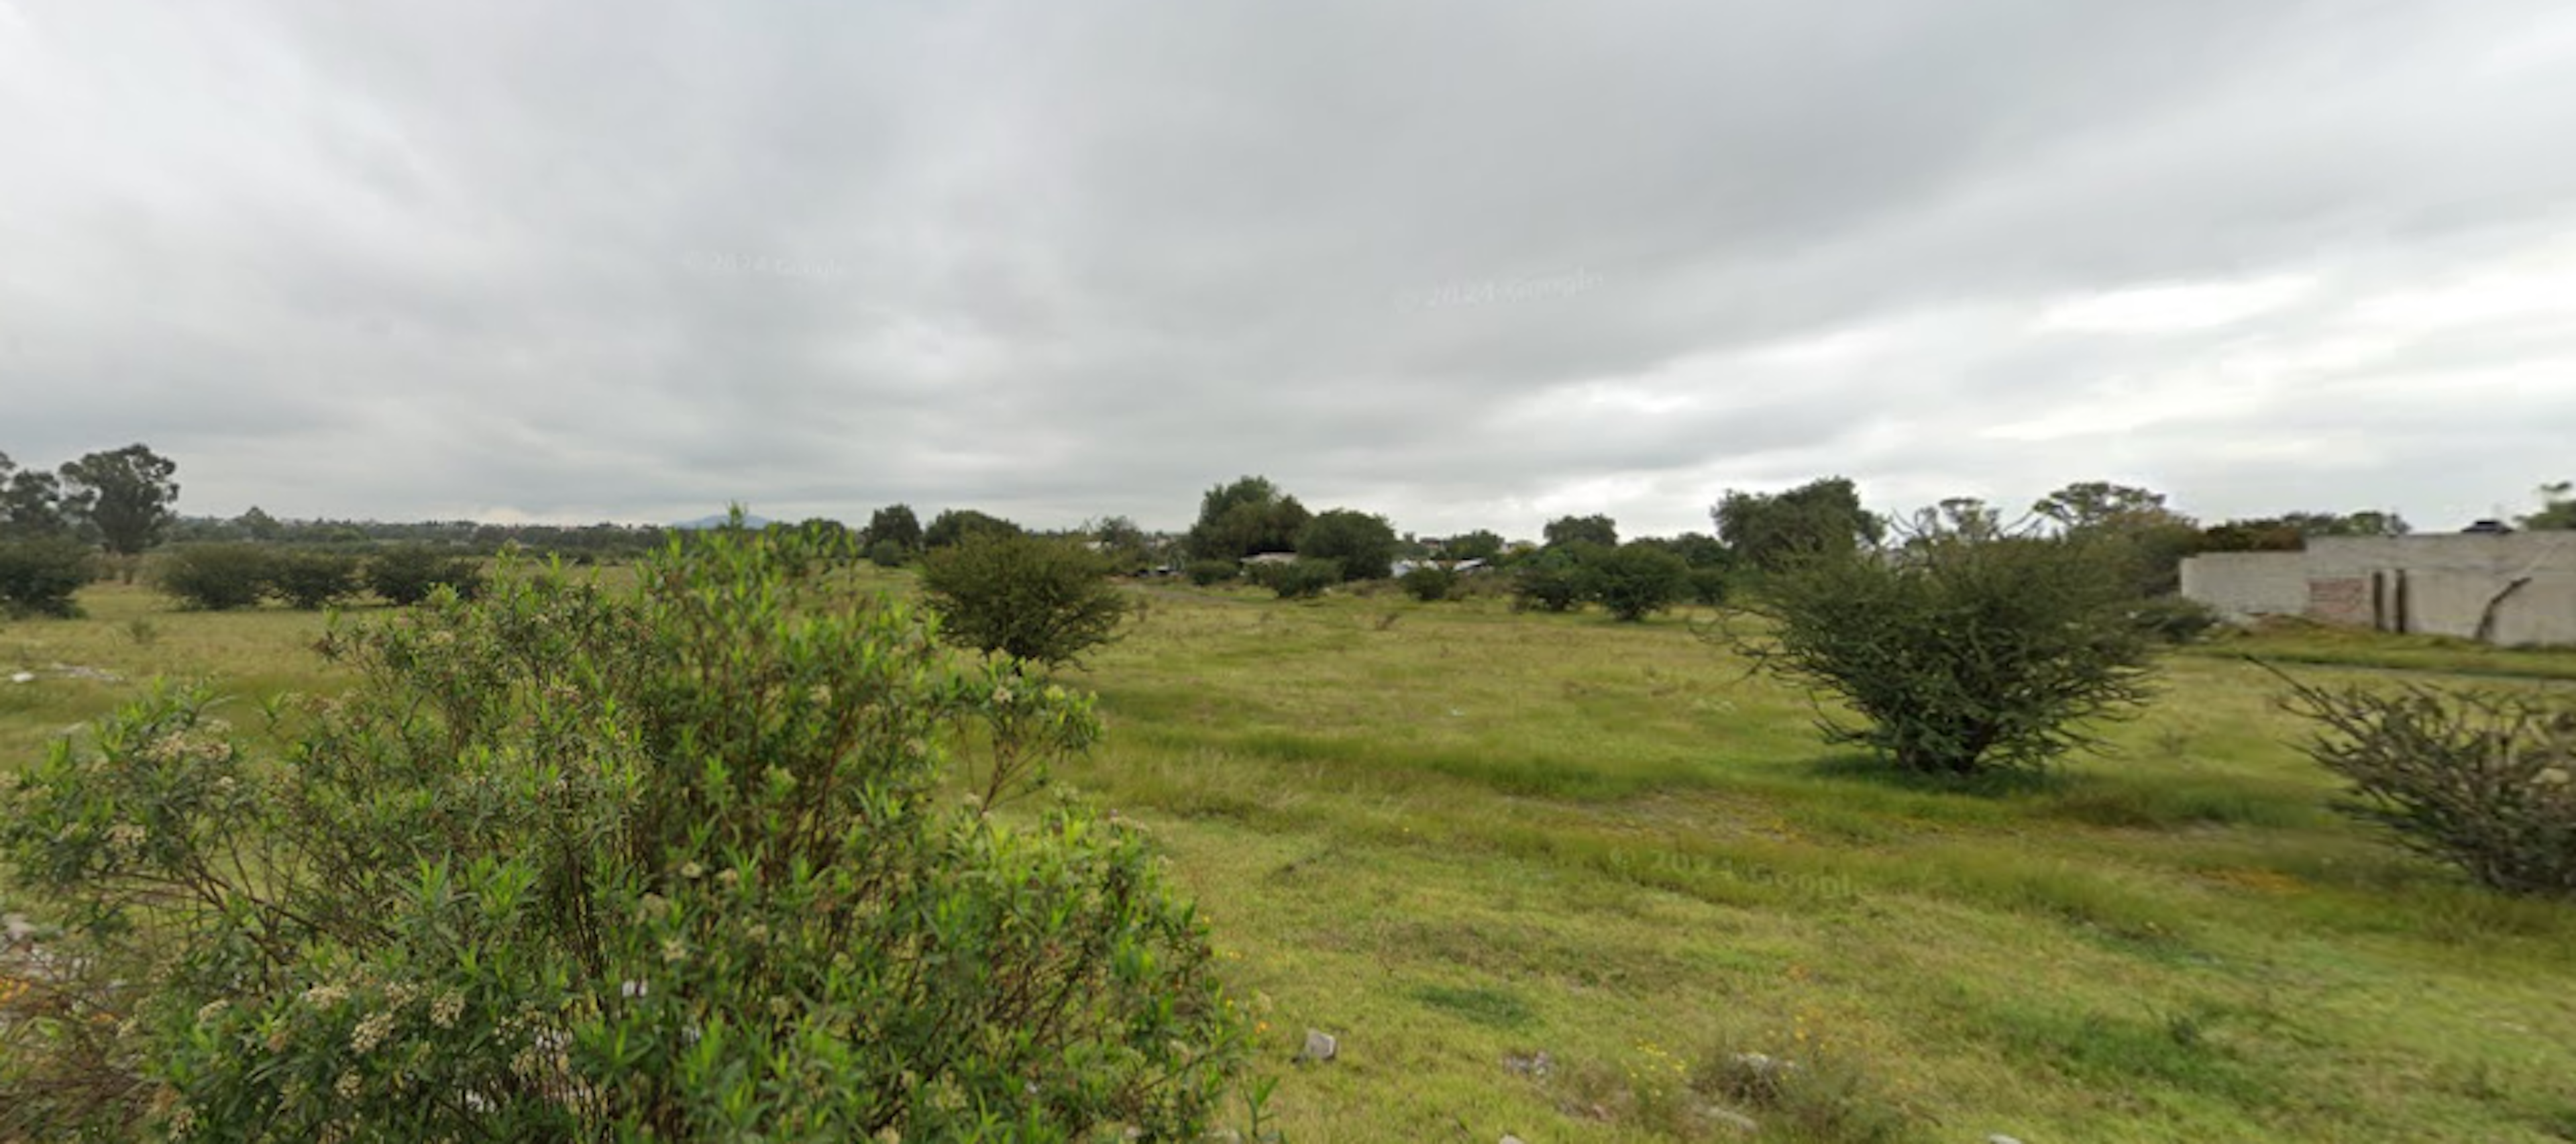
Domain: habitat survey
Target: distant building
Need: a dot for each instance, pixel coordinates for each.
(2486, 583)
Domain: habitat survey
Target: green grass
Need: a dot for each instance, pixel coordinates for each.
(1456, 837)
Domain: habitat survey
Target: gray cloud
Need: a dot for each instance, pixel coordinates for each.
(1464, 266)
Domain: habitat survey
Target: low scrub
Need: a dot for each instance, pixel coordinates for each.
(313, 580)
(1429, 583)
(406, 574)
(1960, 653)
(41, 577)
(217, 577)
(1637, 580)
(2484, 781)
(1300, 579)
(1554, 580)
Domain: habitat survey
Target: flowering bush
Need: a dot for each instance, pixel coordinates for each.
(564, 864)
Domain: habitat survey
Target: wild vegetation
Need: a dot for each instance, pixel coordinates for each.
(672, 862)
(1538, 856)
(1964, 650)
(1571, 878)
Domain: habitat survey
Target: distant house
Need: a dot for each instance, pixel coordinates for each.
(2500, 587)
(1269, 558)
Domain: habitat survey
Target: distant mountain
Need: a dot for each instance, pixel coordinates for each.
(718, 520)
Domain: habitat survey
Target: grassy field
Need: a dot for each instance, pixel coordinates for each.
(1459, 838)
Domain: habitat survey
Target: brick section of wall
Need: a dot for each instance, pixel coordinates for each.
(2340, 600)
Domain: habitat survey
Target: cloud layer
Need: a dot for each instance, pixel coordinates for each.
(1466, 266)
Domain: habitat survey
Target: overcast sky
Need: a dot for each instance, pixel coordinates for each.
(1464, 264)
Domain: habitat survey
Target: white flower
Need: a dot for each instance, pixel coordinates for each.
(371, 1031)
(444, 1011)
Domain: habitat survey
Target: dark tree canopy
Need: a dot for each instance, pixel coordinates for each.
(895, 522)
(1246, 518)
(258, 525)
(1362, 543)
(1697, 549)
(1481, 544)
(1594, 529)
(1820, 518)
(953, 526)
(125, 495)
(2290, 532)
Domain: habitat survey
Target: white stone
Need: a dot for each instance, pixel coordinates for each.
(1321, 1046)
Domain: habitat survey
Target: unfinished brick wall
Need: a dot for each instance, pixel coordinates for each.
(2340, 600)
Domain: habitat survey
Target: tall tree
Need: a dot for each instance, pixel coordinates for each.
(895, 522)
(125, 495)
(1117, 538)
(2101, 504)
(2156, 537)
(31, 503)
(1246, 518)
(1362, 543)
(258, 525)
(1771, 530)
(1594, 529)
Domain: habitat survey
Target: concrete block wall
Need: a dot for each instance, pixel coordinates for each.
(2441, 584)
(2245, 585)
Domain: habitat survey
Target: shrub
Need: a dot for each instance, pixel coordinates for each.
(1205, 573)
(1429, 583)
(217, 577)
(1299, 579)
(1959, 654)
(1708, 586)
(406, 574)
(1033, 599)
(314, 580)
(2174, 619)
(2484, 781)
(1554, 580)
(674, 863)
(40, 577)
(1636, 580)
(887, 553)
